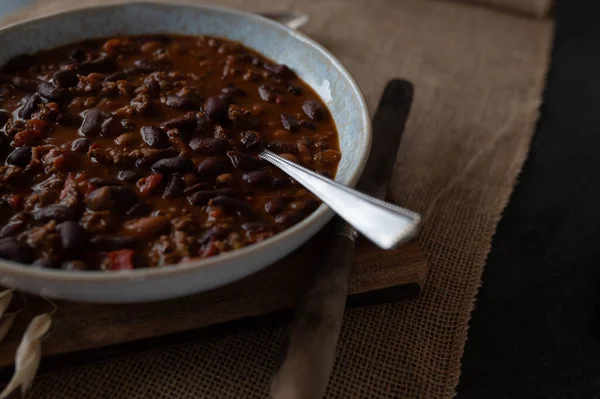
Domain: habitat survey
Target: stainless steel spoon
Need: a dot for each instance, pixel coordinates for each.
(385, 224)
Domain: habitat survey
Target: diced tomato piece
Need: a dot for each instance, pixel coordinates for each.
(27, 137)
(147, 184)
(15, 200)
(216, 211)
(93, 147)
(37, 124)
(119, 260)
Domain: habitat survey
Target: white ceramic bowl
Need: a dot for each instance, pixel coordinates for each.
(312, 63)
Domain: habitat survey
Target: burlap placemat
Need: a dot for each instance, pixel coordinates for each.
(478, 76)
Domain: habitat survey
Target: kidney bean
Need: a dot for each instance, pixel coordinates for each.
(56, 212)
(327, 157)
(93, 119)
(265, 93)
(244, 161)
(30, 106)
(104, 181)
(72, 236)
(212, 166)
(148, 226)
(289, 157)
(111, 127)
(195, 187)
(290, 218)
(175, 188)
(235, 91)
(153, 88)
(258, 178)
(201, 198)
(280, 70)
(12, 249)
(153, 136)
(215, 108)
(128, 175)
(23, 83)
(208, 146)
(216, 232)
(308, 124)
(50, 92)
(250, 139)
(183, 123)
(179, 102)
(102, 64)
(80, 145)
(121, 75)
(111, 198)
(283, 147)
(313, 110)
(289, 122)
(19, 157)
(172, 165)
(139, 209)
(46, 263)
(234, 204)
(65, 78)
(203, 125)
(12, 228)
(110, 243)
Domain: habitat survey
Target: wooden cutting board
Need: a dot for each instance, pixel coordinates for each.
(81, 332)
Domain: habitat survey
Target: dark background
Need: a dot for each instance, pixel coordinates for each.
(535, 332)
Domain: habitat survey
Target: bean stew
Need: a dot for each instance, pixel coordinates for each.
(141, 151)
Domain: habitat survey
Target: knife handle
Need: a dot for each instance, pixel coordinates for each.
(317, 323)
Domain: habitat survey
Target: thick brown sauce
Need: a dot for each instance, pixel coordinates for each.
(145, 82)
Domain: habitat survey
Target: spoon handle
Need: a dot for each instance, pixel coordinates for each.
(385, 224)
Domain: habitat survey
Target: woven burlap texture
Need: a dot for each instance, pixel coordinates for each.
(478, 75)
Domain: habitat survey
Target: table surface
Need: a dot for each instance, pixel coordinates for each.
(535, 332)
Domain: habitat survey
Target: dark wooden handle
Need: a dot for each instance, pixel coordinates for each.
(309, 353)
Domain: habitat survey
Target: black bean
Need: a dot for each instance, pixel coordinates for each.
(46, 263)
(93, 119)
(234, 204)
(250, 139)
(104, 181)
(235, 91)
(208, 146)
(212, 166)
(183, 123)
(215, 108)
(139, 209)
(308, 124)
(12, 228)
(72, 236)
(244, 161)
(80, 145)
(65, 78)
(153, 88)
(289, 122)
(50, 92)
(56, 212)
(290, 218)
(153, 136)
(14, 250)
(283, 147)
(24, 84)
(216, 232)
(201, 198)
(102, 64)
(173, 165)
(265, 93)
(313, 110)
(175, 187)
(179, 102)
(111, 127)
(30, 106)
(4, 117)
(258, 178)
(128, 175)
(19, 157)
(78, 265)
(78, 54)
(111, 198)
(227, 97)
(279, 182)
(278, 69)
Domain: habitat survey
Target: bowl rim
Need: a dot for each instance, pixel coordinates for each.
(8, 267)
